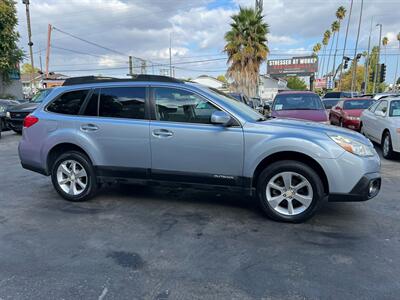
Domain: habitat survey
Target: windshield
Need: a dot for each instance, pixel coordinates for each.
(297, 102)
(243, 108)
(395, 109)
(40, 96)
(357, 104)
(330, 103)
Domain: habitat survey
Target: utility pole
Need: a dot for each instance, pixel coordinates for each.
(30, 44)
(259, 5)
(378, 57)
(143, 67)
(130, 66)
(353, 78)
(344, 47)
(49, 29)
(366, 71)
(170, 56)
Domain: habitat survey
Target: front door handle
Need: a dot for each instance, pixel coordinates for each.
(162, 133)
(89, 127)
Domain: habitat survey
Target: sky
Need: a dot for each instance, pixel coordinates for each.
(196, 28)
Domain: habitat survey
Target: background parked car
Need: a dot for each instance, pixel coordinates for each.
(240, 97)
(380, 96)
(15, 115)
(329, 103)
(4, 106)
(381, 124)
(257, 104)
(299, 105)
(347, 112)
(340, 95)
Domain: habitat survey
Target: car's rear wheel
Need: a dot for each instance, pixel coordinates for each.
(387, 148)
(290, 191)
(73, 176)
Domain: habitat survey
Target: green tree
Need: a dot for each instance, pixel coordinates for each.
(340, 15)
(246, 47)
(296, 83)
(10, 54)
(347, 78)
(27, 69)
(373, 60)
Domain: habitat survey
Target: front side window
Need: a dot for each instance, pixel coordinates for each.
(373, 106)
(175, 105)
(68, 103)
(121, 102)
(297, 102)
(395, 108)
(382, 107)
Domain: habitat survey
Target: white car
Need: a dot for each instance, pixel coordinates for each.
(381, 124)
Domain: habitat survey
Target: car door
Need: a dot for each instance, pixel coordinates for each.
(369, 119)
(115, 121)
(380, 120)
(186, 147)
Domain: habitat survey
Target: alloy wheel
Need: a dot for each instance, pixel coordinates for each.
(72, 177)
(386, 145)
(289, 193)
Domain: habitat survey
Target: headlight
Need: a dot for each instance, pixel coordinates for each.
(8, 115)
(352, 146)
(2, 109)
(353, 118)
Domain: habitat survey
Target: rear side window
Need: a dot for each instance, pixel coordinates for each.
(121, 102)
(68, 103)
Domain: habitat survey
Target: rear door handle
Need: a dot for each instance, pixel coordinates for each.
(162, 133)
(89, 127)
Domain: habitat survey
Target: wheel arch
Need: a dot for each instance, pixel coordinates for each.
(58, 149)
(292, 155)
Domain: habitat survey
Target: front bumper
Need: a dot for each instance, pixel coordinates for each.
(367, 188)
(15, 124)
(352, 124)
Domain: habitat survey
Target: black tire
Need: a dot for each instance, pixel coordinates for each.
(91, 184)
(17, 131)
(299, 168)
(389, 154)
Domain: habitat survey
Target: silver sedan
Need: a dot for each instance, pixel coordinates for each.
(381, 124)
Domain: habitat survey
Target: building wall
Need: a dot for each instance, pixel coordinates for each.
(13, 88)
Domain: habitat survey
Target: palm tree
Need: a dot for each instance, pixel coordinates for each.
(340, 15)
(325, 42)
(385, 41)
(335, 28)
(344, 47)
(246, 47)
(397, 64)
(317, 47)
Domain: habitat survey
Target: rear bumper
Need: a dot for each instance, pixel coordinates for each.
(367, 188)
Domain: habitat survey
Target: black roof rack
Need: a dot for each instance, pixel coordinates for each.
(100, 79)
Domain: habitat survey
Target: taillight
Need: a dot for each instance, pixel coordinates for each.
(30, 120)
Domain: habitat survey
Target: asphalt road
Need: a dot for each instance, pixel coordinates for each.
(146, 243)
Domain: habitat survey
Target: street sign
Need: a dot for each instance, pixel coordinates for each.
(298, 66)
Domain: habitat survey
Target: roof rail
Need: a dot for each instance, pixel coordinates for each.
(100, 79)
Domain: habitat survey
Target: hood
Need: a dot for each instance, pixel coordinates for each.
(310, 115)
(25, 107)
(353, 112)
(315, 128)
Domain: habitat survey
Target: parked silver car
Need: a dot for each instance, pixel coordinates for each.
(381, 123)
(158, 129)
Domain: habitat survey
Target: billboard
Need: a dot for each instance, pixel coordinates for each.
(299, 66)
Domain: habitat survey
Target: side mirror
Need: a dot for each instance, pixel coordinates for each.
(380, 113)
(221, 117)
(267, 107)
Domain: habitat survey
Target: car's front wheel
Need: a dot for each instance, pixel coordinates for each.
(387, 148)
(73, 176)
(290, 191)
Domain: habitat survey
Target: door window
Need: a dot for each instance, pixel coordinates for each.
(92, 106)
(373, 106)
(383, 107)
(177, 105)
(122, 102)
(68, 103)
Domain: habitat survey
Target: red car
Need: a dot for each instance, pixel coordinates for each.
(299, 105)
(348, 111)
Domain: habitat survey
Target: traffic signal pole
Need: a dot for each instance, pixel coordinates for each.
(30, 44)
